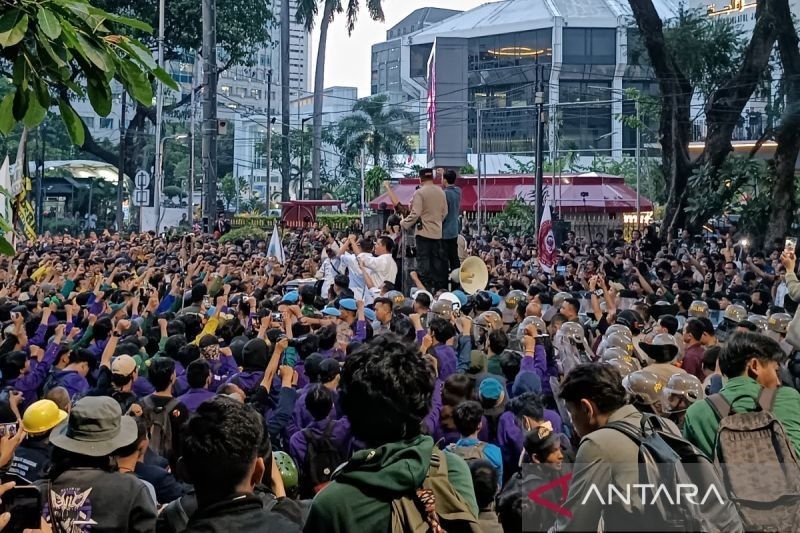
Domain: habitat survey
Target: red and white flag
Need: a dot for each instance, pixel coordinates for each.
(546, 240)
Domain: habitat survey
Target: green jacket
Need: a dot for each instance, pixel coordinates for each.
(359, 499)
(701, 423)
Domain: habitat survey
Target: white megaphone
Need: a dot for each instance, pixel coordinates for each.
(473, 275)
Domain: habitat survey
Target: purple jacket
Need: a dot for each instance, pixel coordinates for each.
(333, 352)
(142, 387)
(340, 436)
(71, 380)
(97, 347)
(194, 397)
(301, 417)
(28, 384)
(431, 422)
(247, 380)
(446, 356)
(511, 437)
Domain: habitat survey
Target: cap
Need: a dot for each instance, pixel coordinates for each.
(331, 311)
(369, 314)
(123, 365)
(348, 304)
(328, 370)
(496, 298)
(290, 298)
(490, 389)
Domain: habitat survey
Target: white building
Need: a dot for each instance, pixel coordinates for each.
(250, 138)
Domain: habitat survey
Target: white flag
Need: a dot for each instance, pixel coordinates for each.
(5, 183)
(276, 247)
(546, 240)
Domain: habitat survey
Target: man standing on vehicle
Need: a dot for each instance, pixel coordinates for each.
(428, 211)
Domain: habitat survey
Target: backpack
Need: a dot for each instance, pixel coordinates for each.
(435, 504)
(468, 453)
(667, 459)
(158, 421)
(322, 459)
(758, 463)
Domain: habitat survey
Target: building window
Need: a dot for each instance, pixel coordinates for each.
(106, 123)
(225, 89)
(255, 93)
(585, 127)
(589, 46)
(89, 121)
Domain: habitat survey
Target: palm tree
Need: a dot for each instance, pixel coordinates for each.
(306, 12)
(374, 126)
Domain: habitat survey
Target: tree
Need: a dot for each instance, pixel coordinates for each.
(373, 181)
(375, 126)
(51, 43)
(732, 87)
(230, 189)
(307, 10)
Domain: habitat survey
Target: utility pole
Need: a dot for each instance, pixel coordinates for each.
(638, 164)
(40, 181)
(540, 118)
(121, 166)
(210, 127)
(159, 119)
(190, 213)
(285, 111)
(269, 136)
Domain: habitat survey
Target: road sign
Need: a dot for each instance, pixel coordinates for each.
(141, 192)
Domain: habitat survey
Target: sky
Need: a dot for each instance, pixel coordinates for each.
(348, 58)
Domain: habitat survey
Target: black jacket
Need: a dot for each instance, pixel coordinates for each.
(167, 487)
(242, 514)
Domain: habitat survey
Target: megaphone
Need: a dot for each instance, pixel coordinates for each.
(473, 275)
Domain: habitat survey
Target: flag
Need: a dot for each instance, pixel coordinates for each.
(275, 246)
(5, 196)
(20, 188)
(546, 239)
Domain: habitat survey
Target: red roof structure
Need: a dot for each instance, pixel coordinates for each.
(303, 213)
(606, 193)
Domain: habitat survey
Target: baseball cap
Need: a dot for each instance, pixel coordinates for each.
(328, 370)
(290, 298)
(490, 389)
(348, 303)
(123, 365)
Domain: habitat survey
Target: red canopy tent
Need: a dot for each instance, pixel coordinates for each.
(606, 193)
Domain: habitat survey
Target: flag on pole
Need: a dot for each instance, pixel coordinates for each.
(20, 188)
(546, 239)
(275, 246)
(5, 195)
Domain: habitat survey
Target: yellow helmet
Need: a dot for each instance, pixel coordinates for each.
(42, 416)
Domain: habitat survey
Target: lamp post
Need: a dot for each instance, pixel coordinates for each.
(160, 177)
(302, 155)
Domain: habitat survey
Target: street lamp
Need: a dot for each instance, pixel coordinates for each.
(638, 150)
(302, 154)
(160, 176)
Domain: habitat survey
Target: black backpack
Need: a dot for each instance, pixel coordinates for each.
(667, 459)
(159, 423)
(322, 459)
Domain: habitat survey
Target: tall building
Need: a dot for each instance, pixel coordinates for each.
(240, 89)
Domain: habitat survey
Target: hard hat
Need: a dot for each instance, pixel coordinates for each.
(619, 328)
(619, 340)
(779, 322)
(489, 320)
(662, 349)
(685, 386)
(572, 331)
(559, 298)
(644, 386)
(624, 366)
(442, 309)
(735, 313)
(287, 468)
(541, 327)
(699, 309)
(397, 298)
(416, 292)
(42, 416)
(760, 322)
(452, 298)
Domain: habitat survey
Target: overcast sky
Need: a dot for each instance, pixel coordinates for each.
(348, 57)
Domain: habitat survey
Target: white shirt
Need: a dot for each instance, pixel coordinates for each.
(357, 283)
(327, 272)
(381, 268)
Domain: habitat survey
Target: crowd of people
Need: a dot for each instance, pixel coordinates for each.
(188, 385)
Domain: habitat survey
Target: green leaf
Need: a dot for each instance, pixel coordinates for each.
(13, 26)
(20, 105)
(19, 71)
(4, 224)
(35, 114)
(58, 60)
(100, 97)
(93, 53)
(42, 92)
(48, 22)
(165, 78)
(6, 248)
(138, 51)
(72, 121)
(137, 84)
(7, 114)
(130, 22)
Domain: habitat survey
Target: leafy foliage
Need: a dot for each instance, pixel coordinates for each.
(374, 127)
(229, 189)
(48, 44)
(244, 233)
(373, 179)
(467, 170)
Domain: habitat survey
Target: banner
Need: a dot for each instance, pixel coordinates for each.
(275, 246)
(546, 239)
(20, 188)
